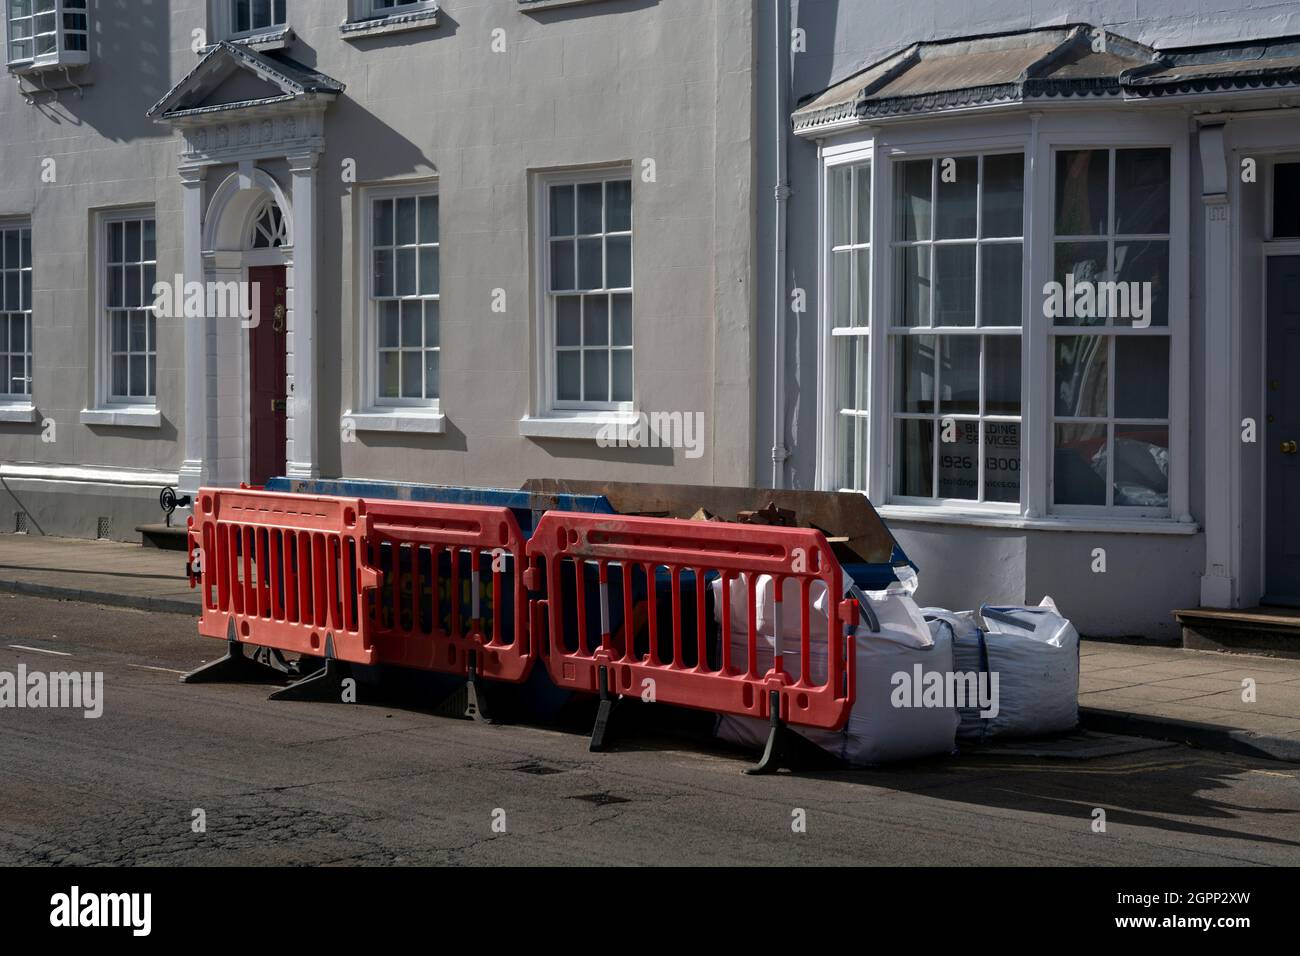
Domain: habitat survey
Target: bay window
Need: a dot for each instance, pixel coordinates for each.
(47, 34)
(851, 310)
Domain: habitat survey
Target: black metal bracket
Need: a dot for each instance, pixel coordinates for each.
(475, 699)
(787, 748)
(600, 733)
(236, 665)
(325, 684)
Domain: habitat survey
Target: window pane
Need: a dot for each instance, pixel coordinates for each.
(12, 292)
(11, 253)
(1141, 376)
(847, 376)
(1079, 264)
(432, 332)
(914, 375)
(412, 375)
(622, 375)
(412, 325)
(1146, 263)
(1001, 461)
(383, 222)
(562, 263)
(115, 241)
(138, 377)
(912, 201)
(131, 287)
(589, 207)
(914, 458)
(1004, 195)
(568, 317)
(841, 199)
(405, 272)
(618, 205)
(1082, 376)
(568, 377)
(862, 180)
(618, 265)
(912, 295)
(954, 285)
(119, 375)
(589, 265)
(431, 385)
(1286, 200)
(1142, 466)
(595, 375)
(1141, 191)
(622, 320)
(383, 272)
(959, 374)
(428, 219)
(955, 201)
(133, 247)
(1002, 375)
(862, 314)
(1001, 278)
(429, 262)
(595, 320)
(959, 462)
(389, 336)
(561, 210)
(1082, 178)
(1079, 475)
(389, 381)
(119, 322)
(842, 277)
(138, 340)
(406, 221)
(848, 450)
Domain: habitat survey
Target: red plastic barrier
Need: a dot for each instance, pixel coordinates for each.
(453, 585)
(622, 551)
(282, 571)
(418, 585)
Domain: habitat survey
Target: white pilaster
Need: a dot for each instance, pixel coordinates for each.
(301, 456)
(192, 473)
(1222, 437)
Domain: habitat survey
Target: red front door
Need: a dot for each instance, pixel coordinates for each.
(267, 407)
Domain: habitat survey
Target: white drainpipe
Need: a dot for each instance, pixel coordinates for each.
(781, 192)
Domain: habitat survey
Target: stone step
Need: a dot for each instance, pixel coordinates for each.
(1267, 631)
(166, 537)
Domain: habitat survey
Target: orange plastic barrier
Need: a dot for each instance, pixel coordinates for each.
(453, 588)
(691, 664)
(282, 571)
(430, 586)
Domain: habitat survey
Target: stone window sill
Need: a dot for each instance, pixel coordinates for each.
(393, 23)
(415, 421)
(125, 417)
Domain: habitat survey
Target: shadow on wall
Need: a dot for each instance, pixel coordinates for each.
(130, 42)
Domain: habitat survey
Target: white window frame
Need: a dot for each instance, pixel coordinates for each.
(378, 413)
(62, 55)
(1037, 135)
(551, 414)
(110, 409)
(9, 400)
(895, 333)
(223, 23)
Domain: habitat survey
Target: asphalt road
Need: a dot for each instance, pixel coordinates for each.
(390, 782)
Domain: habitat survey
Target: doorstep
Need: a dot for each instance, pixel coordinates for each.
(1264, 631)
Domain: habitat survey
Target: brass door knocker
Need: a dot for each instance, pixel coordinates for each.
(277, 318)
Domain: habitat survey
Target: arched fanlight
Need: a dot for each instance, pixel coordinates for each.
(269, 230)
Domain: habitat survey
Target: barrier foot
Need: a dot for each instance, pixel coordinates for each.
(785, 747)
(475, 698)
(323, 684)
(600, 733)
(234, 666)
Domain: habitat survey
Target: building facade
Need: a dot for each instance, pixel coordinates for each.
(1025, 274)
(478, 236)
(957, 182)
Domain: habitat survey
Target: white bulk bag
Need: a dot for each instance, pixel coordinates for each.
(1035, 653)
(893, 644)
(765, 594)
(968, 658)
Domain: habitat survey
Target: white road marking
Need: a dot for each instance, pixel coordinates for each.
(166, 670)
(39, 650)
